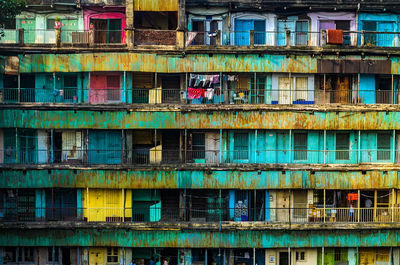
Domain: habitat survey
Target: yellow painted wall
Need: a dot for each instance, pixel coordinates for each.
(103, 205)
(156, 5)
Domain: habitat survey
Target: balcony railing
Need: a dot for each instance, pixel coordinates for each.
(156, 213)
(178, 96)
(155, 156)
(366, 39)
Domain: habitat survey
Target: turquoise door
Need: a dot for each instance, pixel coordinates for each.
(385, 39)
(29, 26)
(242, 31)
(105, 147)
(241, 147)
(242, 28)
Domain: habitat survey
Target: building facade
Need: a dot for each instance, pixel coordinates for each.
(186, 132)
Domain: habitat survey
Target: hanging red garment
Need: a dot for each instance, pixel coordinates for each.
(194, 93)
(334, 36)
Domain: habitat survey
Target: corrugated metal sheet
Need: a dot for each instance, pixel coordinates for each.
(150, 62)
(155, 5)
(200, 239)
(199, 179)
(341, 120)
(354, 66)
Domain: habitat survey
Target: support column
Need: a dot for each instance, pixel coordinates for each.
(351, 256)
(180, 31)
(129, 29)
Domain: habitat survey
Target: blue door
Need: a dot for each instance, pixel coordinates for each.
(385, 39)
(242, 28)
(242, 31)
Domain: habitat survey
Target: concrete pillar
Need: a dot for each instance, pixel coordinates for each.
(251, 38)
(21, 37)
(395, 257)
(352, 256)
(288, 38)
(129, 30)
(58, 37)
(180, 31)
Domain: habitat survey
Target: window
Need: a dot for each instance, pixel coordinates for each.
(51, 22)
(112, 255)
(26, 205)
(383, 143)
(241, 146)
(198, 145)
(10, 255)
(300, 256)
(52, 256)
(25, 254)
(300, 146)
(369, 38)
(342, 146)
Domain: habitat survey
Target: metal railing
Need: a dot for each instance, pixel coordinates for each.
(91, 95)
(178, 96)
(237, 38)
(157, 213)
(154, 156)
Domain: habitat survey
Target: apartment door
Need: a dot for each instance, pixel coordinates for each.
(299, 212)
(284, 87)
(283, 258)
(29, 25)
(342, 90)
(282, 205)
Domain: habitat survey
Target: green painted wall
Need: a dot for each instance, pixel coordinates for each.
(138, 119)
(198, 239)
(197, 179)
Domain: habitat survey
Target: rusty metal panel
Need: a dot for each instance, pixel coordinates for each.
(150, 62)
(177, 238)
(11, 65)
(354, 66)
(155, 5)
(198, 179)
(69, 119)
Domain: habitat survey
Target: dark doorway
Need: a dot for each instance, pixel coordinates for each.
(283, 258)
(170, 89)
(170, 142)
(66, 256)
(57, 146)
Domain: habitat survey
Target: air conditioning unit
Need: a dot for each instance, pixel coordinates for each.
(80, 37)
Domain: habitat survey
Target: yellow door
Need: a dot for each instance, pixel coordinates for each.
(97, 256)
(367, 257)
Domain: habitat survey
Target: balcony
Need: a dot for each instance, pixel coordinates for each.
(31, 3)
(235, 96)
(155, 156)
(327, 215)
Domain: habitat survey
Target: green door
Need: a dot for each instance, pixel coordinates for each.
(29, 26)
(67, 27)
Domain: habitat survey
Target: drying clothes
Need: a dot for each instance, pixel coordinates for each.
(209, 94)
(195, 93)
(232, 77)
(215, 79)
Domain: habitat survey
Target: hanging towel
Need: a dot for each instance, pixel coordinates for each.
(335, 36)
(209, 94)
(215, 79)
(191, 37)
(195, 93)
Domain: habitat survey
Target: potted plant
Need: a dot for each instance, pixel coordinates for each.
(58, 23)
